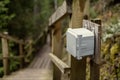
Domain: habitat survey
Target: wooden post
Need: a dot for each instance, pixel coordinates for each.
(57, 48)
(95, 62)
(87, 9)
(78, 67)
(5, 52)
(21, 55)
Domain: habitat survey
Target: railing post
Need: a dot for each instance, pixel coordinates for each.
(57, 48)
(30, 50)
(21, 55)
(78, 67)
(95, 62)
(5, 52)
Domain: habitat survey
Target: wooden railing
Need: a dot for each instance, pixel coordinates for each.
(63, 67)
(77, 69)
(25, 50)
(6, 54)
(30, 47)
(60, 67)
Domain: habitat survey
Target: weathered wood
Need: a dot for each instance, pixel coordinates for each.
(95, 62)
(77, 13)
(60, 13)
(96, 28)
(39, 69)
(64, 36)
(78, 67)
(63, 67)
(21, 54)
(90, 25)
(11, 38)
(30, 74)
(5, 52)
(87, 9)
(29, 49)
(57, 48)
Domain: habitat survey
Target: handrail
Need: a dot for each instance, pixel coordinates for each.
(63, 67)
(29, 50)
(11, 38)
(29, 47)
(61, 12)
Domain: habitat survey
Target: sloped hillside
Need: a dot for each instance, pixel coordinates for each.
(109, 12)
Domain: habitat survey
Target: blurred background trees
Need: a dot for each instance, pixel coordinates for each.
(25, 20)
(4, 16)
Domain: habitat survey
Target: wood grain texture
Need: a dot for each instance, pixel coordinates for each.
(95, 62)
(39, 69)
(77, 13)
(87, 9)
(30, 74)
(78, 67)
(60, 13)
(42, 59)
(94, 26)
(63, 67)
(57, 47)
(5, 52)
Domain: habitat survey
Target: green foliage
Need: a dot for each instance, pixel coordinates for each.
(93, 13)
(14, 65)
(21, 25)
(93, 2)
(112, 29)
(30, 19)
(4, 17)
(45, 12)
(1, 71)
(14, 51)
(111, 52)
(60, 2)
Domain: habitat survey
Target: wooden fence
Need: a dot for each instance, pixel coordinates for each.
(25, 51)
(5, 38)
(77, 10)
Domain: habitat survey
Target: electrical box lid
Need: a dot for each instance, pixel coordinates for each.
(80, 31)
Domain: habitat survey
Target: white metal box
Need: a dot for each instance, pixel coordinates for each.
(80, 42)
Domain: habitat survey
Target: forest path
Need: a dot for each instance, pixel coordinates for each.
(39, 69)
